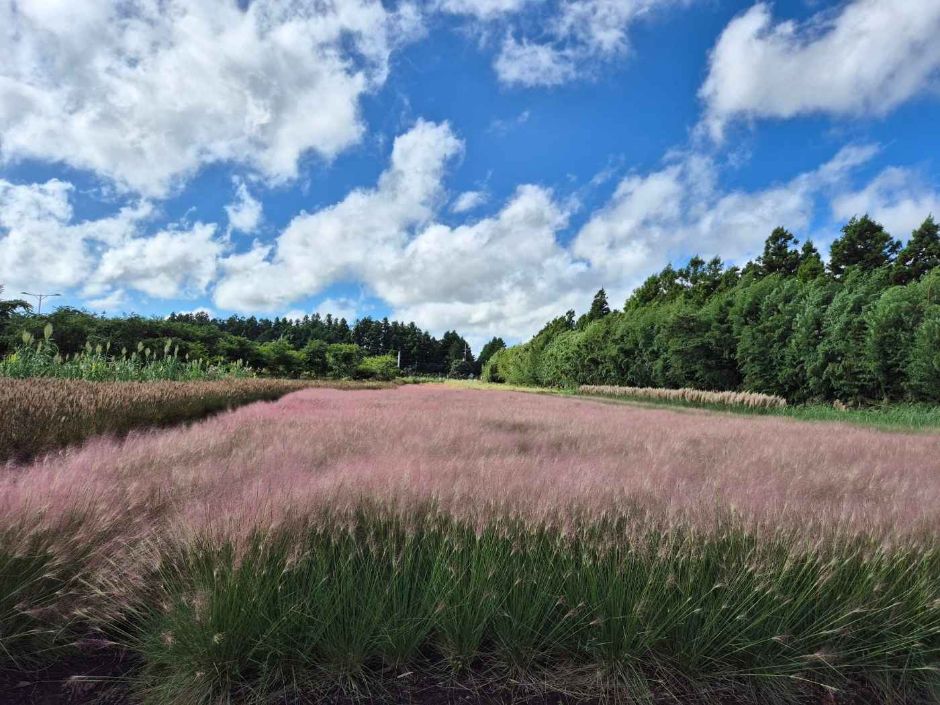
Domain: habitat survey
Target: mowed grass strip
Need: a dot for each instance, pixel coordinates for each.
(358, 545)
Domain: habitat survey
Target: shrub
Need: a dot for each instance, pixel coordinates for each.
(491, 371)
(342, 359)
(381, 367)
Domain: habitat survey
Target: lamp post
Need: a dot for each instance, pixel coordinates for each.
(39, 298)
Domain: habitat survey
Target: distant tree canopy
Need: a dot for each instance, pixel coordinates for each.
(281, 346)
(865, 328)
(8, 308)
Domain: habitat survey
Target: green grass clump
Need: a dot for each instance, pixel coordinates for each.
(594, 609)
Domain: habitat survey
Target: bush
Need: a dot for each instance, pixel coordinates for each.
(342, 359)
(381, 367)
(491, 371)
(281, 360)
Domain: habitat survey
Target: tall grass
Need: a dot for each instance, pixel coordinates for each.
(750, 400)
(37, 415)
(379, 544)
(41, 358)
(355, 602)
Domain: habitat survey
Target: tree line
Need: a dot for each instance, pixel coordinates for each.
(863, 328)
(314, 345)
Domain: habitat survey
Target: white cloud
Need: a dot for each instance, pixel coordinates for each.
(168, 264)
(144, 92)
(482, 9)
(339, 308)
(43, 247)
(533, 64)
(896, 198)
(113, 302)
(360, 234)
(498, 274)
(468, 201)
(575, 36)
(678, 211)
(245, 212)
(867, 58)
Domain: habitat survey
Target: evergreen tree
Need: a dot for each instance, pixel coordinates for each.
(920, 255)
(780, 256)
(863, 244)
(599, 306)
(811, 264)
(490, 349)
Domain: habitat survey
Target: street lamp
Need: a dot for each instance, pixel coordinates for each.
(39, 297)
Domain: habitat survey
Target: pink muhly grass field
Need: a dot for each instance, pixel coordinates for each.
(474, 452)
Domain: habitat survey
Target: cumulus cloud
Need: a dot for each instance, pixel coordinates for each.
(167, 264)
(245, 212)
(896, 197)
(867, 58)
(42, 246)
(679, 210)
(359, 234)
(144, 93)
(507, 272)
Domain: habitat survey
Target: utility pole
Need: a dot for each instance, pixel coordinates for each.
(39, 297)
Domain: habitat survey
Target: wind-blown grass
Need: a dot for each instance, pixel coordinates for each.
(377, 541)
(38, 415)
(749, 400)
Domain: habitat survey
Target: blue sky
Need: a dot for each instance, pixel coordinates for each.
(472, 164)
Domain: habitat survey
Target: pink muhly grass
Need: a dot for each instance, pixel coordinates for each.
(475, 453)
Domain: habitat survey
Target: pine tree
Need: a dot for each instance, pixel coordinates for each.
(599, 306)
(864, 244)
(811, 264)
(780, 257)
(920, 255)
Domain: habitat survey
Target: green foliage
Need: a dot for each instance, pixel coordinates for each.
(461, 369)
(863, 244)
(304, 610)
(490, 349)
(924, 365)
(778, 326)
(780, 256)
(342, 360)
(381, 367)
(491, 369)
(313, 356)
(41, 358)
(920, 255)
(281, 359)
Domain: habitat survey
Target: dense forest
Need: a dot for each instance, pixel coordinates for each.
(313, 346)
(865, 327)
